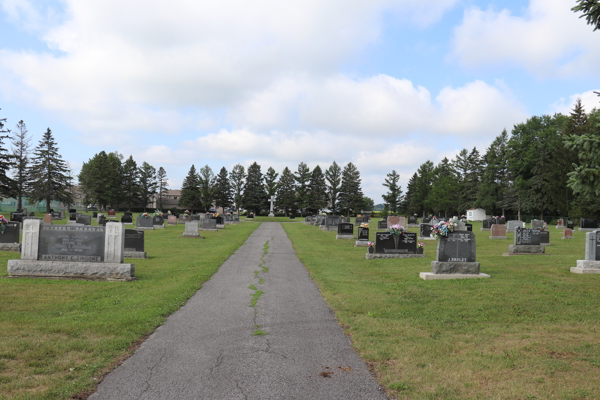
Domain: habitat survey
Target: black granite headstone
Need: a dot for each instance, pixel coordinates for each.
(56, 215)
(382, 224)
(220, 220)
(250, 216)
(527, 236)
(469, 227)
(597, 246)
(95, 214)
(456, 247)
(158, 220)
(544, 237)
(388, 243)
(487, 224)
(588, 223)
(134, 240)
(426, 220)
(127, 219)
(196, 217)
(71, 243)
(11, 233)
(345, 229)
(501, 221)
(412, 220)
(363, 233)
(72, 216)
(17, 216)
(425, 230)
(102, 220)
(570, 224)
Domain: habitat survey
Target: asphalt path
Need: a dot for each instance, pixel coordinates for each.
(207, 349)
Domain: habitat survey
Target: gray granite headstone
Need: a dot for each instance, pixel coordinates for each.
(144, 222)
(511, 226)
(71, 243)
(592, 246)
(158, 220)
(537, 224)
(84, 219)
(208, 223)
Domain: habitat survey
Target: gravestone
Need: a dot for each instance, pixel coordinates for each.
(591, 263)
(345, 231)
(191, 229)
(9, 240)
(332, 222)
(435, 221)
(158, 222)
(382, 224)
(455, 258)
(363, 237)
(145, 223)
(567, 234)
(487, 225)
(236, 219)
(56, 215)
(101, 220)
(426, 220)
(220, 220)
(501, 221)
(172, 220)
(570, 224)
(73, 216)
(560, 223)
(511, 226)
(388, 245)
(208, 224)
(412, 220)
(545, 238)
(537, 224)
(498, 232)
(425, 232)
(460, 226)
(395, 221)
(64, 251)
(587, 224)
(322, 219)
(95, 214)
(250, 216)
(127, 218)
(134, 244)
(469, 227)
(195, 217)
(16, 216)
(526, 241)
(48, 219)
(112, 214)
(362, 220)
(84, 219)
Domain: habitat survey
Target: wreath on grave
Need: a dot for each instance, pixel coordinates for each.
(443, 229)
(3, 223)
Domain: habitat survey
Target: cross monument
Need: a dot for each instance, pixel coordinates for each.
(272, 199)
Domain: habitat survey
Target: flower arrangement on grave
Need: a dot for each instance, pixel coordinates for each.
(396, 230)
(144, 215)
(443, 229)
(364, 225)
(158, 213)
(370, 244)
(3, 223)
(463, 217)
(420, 245)
(186, 212)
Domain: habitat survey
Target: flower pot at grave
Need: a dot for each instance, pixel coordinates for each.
(420, 250)
(371, 249)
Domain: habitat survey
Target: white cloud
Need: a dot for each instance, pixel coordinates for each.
(589, 101)
(549, 39)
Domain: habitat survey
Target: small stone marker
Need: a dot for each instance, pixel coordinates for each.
(56, 215)
(9, 241)
(412, 220)
(64, 251)
(48, 219)
(172, 220)
(112, 214)
(345, 231)
(84, 219)
(127, 218)
(191, 229)
(526, 241)
(560, 223)
(425, 232)
(134, 244)
(498, 232)
(363, 237)
(591, 264)
(158, 222)
(567, 234)
(382, 224)
(455, 258)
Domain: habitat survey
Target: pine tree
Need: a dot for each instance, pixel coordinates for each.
(255, 195)
(286, 192)
(7, 185)
(49, 174)
(271, 182)
(147, 174)
(190, 191)
(237, 177)
(223, 195)
(21, 147)
(494, 178)
(131, 184)
(206, 179)
(351, 195)
(591, 11)
(333, 175)
(317, 189)
(163, 188)
(101, 179)
(302, 176)
(443, 197)
(394, 196)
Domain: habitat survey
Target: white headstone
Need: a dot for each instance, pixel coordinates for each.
(114, 243)
(31, 239)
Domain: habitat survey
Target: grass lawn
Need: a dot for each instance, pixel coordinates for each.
(531, 331)
(58, 337)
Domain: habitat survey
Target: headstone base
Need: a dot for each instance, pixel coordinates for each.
(497, 237)
(350, 237)
(429, 276)
(413, 225)
(587, 229)
(560, 226)
(373, 256)
(567, 237)
(271, 215)
(71, 270)
(546, 244)
(192, 234)
(362, 243)
(485, 229)
(426, 238)
(10, 247)
(206, 229)
(144, 228)
(449, 267)
(586, 267)
(330, 228)
(525, 249)
(135, 254)
(158, 226)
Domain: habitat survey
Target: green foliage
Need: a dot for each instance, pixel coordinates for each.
(7, 185)
(393, 198)
(271, 182)
(223, 194)
(101, 179)
(590, 10)
(286, 192)
(190, 191)
(130, 182)
(443, 196)
(237, 177)
(494, 179)
(317, 189)
(302, 176)
(255, 195)
(50, 177)
(585, 178)
(148, 183)
(368, 203)
(333, 175)
(20, 152)
(351, 195)
(163, 189)
(206, 180)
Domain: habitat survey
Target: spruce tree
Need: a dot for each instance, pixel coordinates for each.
(351, 195)
(7, 185)
(21, 146)
(255, 195)
(333, 175)
(190, 191)
(408, 204)
(206, 179)
(271, 182)
(237, 177)
(590, 10)
(317, 189)
(163, 188)
(302, 176)
(223, 193)
(131, 184)
(394, 195)
(49, 174)
(101, 179)
(286, 192)
(147, 174)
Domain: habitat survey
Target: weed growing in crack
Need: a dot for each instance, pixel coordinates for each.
(262, 280)
(256, 297)
(259, 332)
(252, 287)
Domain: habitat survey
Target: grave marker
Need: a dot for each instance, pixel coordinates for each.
(9, 240)
(425, 232)
(191, 229)
(388, 245)
(345, 231)
(498, 232)
(134, 244)
(567, 234)
(172, 220)
(591, 263)
(526, 241)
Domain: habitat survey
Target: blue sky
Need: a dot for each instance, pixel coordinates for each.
(383, 84)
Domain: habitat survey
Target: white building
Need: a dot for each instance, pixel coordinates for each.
(476, 214)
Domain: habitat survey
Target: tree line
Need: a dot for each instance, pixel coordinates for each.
(302, 191)
(549, 165)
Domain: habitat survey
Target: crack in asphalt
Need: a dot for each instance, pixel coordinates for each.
(147, 382)
(237, 385)
(218, 361)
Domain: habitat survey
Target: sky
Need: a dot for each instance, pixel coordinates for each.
(384, 84)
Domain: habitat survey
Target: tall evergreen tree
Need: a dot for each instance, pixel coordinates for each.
(271, 182)
(590, 10)
(443, 196)
(7, 185)
(206, 179)
(223, 194)
(190, 191)
(494, 176)
(286, 192)
(317, 189)
(351, 195)
(408, 204)
(302, 176)
(101, 179)
(130, 182)
(333, 175)
(423, 186)
(21, 144)
(49, 174)
(147, 174)
(393, 198)
(255, 195)
(163, 188)
(237, 177)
